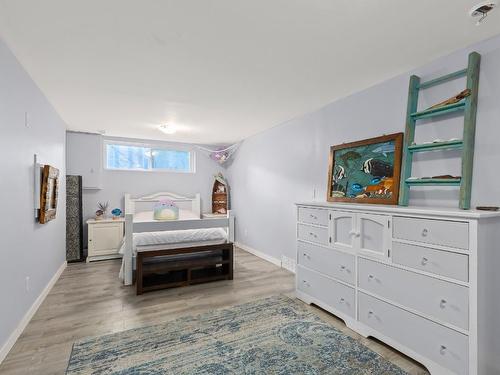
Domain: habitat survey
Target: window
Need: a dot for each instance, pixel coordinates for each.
(129, 156)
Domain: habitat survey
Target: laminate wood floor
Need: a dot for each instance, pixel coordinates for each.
(89, 300)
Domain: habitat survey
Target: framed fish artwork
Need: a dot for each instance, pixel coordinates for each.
(366, 171)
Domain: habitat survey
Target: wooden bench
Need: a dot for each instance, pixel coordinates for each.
(161, 269)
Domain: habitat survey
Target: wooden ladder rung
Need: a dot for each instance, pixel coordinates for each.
(433, 181)
(437, 146)
(443, 79)
(439, 111)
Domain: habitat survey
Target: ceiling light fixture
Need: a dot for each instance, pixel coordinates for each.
(482, 9)
(167, 129)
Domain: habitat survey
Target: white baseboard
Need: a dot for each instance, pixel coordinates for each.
(288, 263)
(264, 256)
(29, 314)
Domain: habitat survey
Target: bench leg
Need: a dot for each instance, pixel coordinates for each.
(231, 263)
(138, 273)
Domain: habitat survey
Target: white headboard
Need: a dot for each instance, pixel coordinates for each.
(190, 203)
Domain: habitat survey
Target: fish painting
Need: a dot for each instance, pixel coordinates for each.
(366, 171)
(384, 149)
(377, 168)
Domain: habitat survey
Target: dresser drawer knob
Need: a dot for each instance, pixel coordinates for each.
(370, 313)
(306, 256)
(342, 300)
(306, 283)
(442, 350)
(371, 277)
(424, 261)
(442, 304)
(425, 232)
(342, 268)
(313, 217)
(313, 234)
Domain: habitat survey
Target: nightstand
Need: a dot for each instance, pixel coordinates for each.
(104, 238)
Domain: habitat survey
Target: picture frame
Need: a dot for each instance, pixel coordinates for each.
(48, 194)
(366, 171)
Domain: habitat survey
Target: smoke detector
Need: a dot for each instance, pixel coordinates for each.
(482, 9)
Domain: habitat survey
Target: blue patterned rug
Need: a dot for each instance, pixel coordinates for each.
(276, 335)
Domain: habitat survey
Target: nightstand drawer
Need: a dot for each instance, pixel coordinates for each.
(313, 234)
(437, 232)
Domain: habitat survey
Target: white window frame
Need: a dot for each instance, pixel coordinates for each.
(152, 146)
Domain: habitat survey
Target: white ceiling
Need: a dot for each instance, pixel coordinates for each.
(221, 70)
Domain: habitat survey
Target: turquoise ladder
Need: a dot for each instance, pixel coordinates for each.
(469, 108)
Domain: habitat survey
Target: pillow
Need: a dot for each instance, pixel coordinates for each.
(166, 210)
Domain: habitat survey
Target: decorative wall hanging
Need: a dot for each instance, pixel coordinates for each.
(221, 154)
(220, 193)
(48, 194)
(366, 171)
(464, 103)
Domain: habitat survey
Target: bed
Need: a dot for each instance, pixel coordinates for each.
(190, 236)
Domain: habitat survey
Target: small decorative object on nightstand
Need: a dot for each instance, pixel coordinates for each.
(117, 213)
(102, 210)
(105, 237)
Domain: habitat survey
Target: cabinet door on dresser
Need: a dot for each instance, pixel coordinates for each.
(373, 234)
(343, 229)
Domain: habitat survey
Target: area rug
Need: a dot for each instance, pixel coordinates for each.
(276, 335)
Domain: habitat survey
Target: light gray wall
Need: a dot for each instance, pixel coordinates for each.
(288, 163)
(27, 249)
(116, 183)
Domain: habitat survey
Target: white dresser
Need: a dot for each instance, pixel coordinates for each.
(104, 238)
(425, 281)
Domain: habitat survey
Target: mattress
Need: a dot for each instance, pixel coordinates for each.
(176, 238)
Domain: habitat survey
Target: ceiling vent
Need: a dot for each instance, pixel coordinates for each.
(482, 9)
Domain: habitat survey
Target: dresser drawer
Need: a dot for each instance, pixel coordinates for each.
(439, 299)
(442, 345)
(444, 263)
(313, 234)
(328, 291)
(328, 261)
(438, 232)
(313, 216)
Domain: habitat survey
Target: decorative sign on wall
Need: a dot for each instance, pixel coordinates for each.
(48, 194)
(366, 171)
